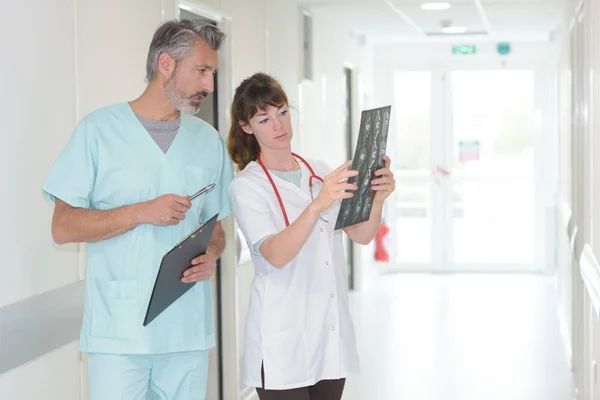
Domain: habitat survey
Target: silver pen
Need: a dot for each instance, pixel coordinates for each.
(204, 189)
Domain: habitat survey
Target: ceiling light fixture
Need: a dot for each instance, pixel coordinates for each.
(454, 29)
(435, 6)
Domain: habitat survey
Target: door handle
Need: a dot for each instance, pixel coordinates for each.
(442, 171)
(439, 171)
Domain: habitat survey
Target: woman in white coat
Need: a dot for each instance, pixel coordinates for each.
(300, 341)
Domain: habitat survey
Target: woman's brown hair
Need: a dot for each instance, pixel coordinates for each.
(254, 94)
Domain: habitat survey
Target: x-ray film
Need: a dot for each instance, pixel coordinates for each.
(368, 158)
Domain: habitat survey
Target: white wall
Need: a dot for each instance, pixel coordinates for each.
(565, 255)
(113, 40)
(323, 104)
(52, 377)
(38, 102)
(248, 37)
(39, 109)
(582, 62)
(595, 133)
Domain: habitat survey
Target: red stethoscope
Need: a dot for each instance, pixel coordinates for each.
(310, 182)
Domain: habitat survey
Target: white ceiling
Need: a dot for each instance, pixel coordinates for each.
(404, 20)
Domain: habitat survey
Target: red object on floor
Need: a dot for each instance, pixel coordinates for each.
(381, 253)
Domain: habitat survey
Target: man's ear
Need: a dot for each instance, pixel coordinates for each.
(246, 127)
(166, 65)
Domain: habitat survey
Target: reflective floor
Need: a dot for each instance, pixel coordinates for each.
(459, 337)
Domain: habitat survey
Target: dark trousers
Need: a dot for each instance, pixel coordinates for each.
(323, 390)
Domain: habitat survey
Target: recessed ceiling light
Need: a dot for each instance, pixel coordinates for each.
(454, 29)
(435, 6)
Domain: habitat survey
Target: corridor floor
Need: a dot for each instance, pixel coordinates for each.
(459, 337)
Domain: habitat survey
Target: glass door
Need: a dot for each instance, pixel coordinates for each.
(465, 171)
(416, 196)
(490, 181)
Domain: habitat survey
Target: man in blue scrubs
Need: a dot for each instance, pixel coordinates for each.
(123, 184)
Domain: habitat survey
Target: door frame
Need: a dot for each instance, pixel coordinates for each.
(230, 337)
(546, 164)
(349, 84)
(217, 283)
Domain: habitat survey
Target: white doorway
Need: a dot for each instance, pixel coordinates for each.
(214, 111)
(469, 196)
(235, 271)
(209, 112)
(349, 143)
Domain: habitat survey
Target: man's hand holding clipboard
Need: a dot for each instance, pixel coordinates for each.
(169, 285)
(202, 268)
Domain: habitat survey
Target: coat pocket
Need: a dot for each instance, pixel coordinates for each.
(114, 309)
(285, 359)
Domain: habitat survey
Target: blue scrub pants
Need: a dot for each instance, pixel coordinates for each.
(173, 376)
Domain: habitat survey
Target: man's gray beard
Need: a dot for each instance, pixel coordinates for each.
(178, 99)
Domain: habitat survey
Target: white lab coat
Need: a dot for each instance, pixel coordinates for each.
(298, 322)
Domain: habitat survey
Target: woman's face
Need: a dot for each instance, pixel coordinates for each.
(272, 127)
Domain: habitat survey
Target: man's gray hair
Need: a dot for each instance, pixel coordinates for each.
(176, 38)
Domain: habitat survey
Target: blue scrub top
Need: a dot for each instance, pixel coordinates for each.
(109, 162)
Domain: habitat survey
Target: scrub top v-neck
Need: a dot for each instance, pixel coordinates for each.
(162, 132)
(111, 161)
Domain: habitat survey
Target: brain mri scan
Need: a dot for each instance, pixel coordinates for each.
(370, 149)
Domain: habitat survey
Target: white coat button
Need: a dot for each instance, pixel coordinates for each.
(332, 295)
(321, 229)
(308, 201)
(326, 262)
(332, 328)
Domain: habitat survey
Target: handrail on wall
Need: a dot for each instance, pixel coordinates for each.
(567, 213)
(40, 324)
(572, 241)
(575, 245)
(571, 230)
(590, 273)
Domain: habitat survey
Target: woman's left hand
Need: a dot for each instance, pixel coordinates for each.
(385, 183)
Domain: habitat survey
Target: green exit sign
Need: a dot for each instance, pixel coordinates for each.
(464, 49)
(503, 48)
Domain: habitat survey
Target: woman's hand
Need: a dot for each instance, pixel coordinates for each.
(385, 184)
(333, 188)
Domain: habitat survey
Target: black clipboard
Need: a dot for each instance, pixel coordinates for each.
(168, 286)
(370, 149)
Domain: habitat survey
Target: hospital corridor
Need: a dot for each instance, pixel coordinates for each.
(479, 281)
